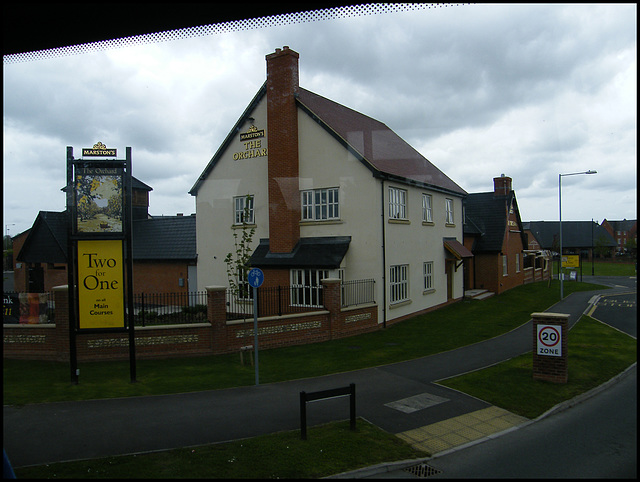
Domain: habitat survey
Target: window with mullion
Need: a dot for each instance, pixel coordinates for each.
(427, 213)
(320, 204)
(243, 210)
(399, 283)
(397, 203)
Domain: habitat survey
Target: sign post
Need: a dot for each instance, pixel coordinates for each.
(550, 346)
(256, 278)
(99, 250)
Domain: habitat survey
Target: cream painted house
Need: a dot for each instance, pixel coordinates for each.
(330, 193)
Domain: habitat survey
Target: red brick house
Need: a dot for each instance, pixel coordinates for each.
(625, 234)
(493, 232)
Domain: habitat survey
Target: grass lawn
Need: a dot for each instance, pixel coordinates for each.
(329, 449)
(471, 321)
(596, 353)
(602, 268)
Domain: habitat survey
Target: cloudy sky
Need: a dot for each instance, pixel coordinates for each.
(529, 91)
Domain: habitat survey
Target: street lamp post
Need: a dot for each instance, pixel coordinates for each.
(560, 273)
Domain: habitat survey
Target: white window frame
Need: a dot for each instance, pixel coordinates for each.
(397, 203)
(306, 287)
(448, 208)
(240, 205)
(505, 268)
(399, 283)
(245, 291)
(427, 208)
(427, 274)
(517, 262)
(320, 204)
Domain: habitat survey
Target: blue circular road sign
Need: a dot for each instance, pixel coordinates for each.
(256, 277)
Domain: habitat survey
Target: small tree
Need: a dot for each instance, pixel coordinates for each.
(238, 261)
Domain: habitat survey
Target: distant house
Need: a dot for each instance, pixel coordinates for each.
(625, 234)
(164, 250)
(493, 232)
(585, 238)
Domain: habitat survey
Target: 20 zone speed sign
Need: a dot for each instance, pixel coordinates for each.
(549, 340)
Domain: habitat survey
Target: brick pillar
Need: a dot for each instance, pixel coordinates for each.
(282, 143)
(333, 304)
(550, 347)
(61, 300)
(217, 316)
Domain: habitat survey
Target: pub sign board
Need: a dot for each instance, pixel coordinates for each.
(101, 287)
(99, 199)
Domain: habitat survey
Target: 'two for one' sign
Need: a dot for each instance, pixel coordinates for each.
(100, 284)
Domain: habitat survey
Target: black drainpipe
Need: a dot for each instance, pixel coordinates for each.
(384, 263)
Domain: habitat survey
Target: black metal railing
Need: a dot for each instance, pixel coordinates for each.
(357, 292)
(275, 301)
(169, 308)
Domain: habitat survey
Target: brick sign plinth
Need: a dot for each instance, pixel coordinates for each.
(550, 347)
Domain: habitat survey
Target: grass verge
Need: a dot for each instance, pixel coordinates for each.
(329, 449)
(596, 353)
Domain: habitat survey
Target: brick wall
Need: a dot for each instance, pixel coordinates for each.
(217, 336)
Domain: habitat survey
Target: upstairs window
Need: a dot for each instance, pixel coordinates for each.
(243, 210)
(397, 203)
(427, 214)
(448, 211)
(320, 204)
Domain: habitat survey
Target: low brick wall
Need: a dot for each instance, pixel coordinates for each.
(218, 336)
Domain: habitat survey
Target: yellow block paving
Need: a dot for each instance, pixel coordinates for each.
(460, 430)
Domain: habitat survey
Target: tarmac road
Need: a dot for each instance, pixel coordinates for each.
(43, 433)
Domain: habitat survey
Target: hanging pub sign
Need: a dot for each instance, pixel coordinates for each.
(99, 199)
(98, 150)
(100, 284)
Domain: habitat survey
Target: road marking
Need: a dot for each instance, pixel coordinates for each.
(415, 403)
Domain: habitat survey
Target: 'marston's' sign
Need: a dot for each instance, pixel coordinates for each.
(98, 150)
(252, 133)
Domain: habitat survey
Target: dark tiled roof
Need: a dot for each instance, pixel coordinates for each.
(171, 237)
(486, 217)
(575, 234)
(377, 145)
(47, 239)
(384, 152)
(155, 239)
(315, 252)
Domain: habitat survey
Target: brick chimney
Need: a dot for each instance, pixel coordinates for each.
(282, 143)
(501, 185)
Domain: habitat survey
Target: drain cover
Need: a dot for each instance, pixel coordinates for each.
(422, 470)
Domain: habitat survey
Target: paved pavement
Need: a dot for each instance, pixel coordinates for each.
(401, 398)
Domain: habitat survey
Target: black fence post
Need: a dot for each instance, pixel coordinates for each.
(303, 415)
(142, 307)
(352, 405)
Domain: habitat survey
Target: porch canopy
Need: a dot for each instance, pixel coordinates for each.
(456, 248)
(315, 252)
